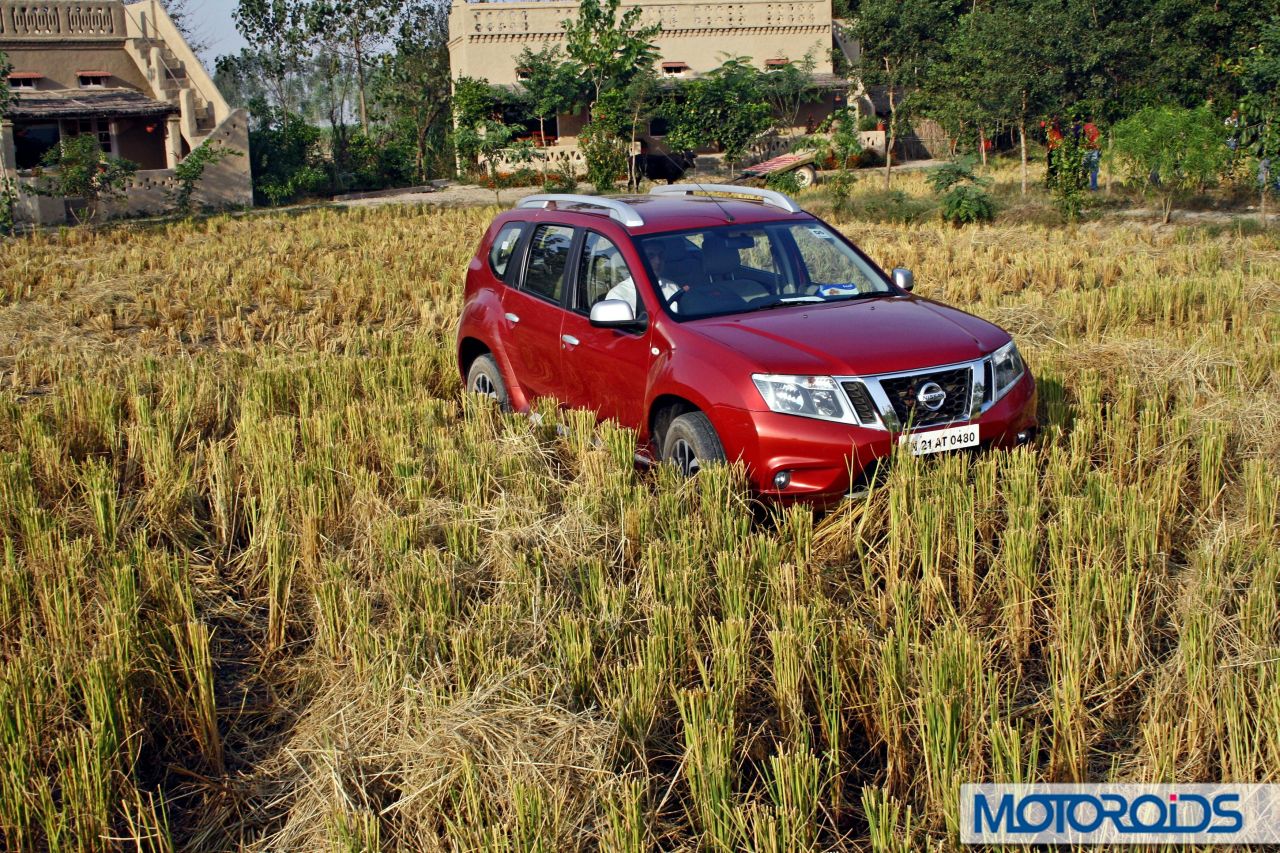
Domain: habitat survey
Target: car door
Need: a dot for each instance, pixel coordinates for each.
(606, 370)
(533, 312)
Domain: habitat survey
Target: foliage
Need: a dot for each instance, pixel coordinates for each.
(286, 161)
(607, 49)
(78, 168)
(839, 187)
(605, 155)
(277, 36)
(561, 179)
(726, 108)
(843, 142)
(965, 204)
(5, 94)
(784, 182)
(1170, 151)
(789, 88)
(551, 84)
(965, 199)
(1068, 176)
(411, 87)
(8, 205)
(190, 171)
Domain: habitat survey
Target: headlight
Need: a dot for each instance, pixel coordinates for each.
(1007, 368)
(808, 396)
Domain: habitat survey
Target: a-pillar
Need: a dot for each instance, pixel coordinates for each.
(173, 141)
(8, 155)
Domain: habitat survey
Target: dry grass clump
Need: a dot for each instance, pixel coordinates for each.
(270, 583)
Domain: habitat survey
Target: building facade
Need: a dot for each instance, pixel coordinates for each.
(123, 73)
(697, 37)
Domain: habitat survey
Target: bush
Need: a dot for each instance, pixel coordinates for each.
(285, 157)
(966, 203)
(8, 206)
(784, 182)
(189, 172)
(79, 169)
(964, 194)
(606, 157)
(1170, 151)
(561, 179)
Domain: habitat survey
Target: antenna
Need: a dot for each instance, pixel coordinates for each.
(727, 214)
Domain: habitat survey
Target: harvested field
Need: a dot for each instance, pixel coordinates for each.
(270, 583)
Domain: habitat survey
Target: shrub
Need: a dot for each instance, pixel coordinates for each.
(561, 179)
(784, 182)
(284, 153)
(606, 157)
(966, 203)
(80, 169)
(189, 172)
(8, 206)
(1170, 151)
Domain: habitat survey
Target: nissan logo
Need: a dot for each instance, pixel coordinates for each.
(931, 396)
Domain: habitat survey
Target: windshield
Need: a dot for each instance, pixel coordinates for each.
(731, 269)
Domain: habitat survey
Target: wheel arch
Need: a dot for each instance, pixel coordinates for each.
(663, 410)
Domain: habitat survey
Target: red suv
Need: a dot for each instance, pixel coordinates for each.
(726, 327)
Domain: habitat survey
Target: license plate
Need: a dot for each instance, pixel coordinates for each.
(938, 440)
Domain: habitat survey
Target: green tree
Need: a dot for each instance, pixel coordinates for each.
(413, 86)
(789, 88)
(1003, 58)
(551, 87)
(726, 108)
(276, 33)
(78, 168)
(1170, 151)
(899, 42)
(480, 137)
(361, 27)
(1260, 106)
(607, 48)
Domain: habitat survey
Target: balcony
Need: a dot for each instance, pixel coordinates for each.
(61, 20)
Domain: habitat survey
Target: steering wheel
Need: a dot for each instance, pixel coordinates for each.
(677, 296)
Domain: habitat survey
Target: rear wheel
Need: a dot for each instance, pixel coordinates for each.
(485, 378)
(806, 176)
(690, 443)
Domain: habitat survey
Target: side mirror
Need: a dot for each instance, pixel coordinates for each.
(612, 314)
(904, 278)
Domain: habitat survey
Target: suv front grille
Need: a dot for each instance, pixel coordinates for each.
(861, 401)
(902, 392)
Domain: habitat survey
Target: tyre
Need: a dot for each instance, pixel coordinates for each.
(690, 443)
(806, 176)
(485, 378)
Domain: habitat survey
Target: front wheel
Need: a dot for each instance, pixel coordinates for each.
(690, 443)
(485, 378)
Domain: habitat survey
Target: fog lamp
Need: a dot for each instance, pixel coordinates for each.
(781, 480)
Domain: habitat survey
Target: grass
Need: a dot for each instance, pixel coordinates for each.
(270, 582)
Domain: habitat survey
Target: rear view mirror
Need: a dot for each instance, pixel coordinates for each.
(612, 314)
(904, 278)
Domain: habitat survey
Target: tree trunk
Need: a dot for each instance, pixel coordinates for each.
(542, 141)
(893, 129)
(364, 112)
(982, 144)
(1168, 209)
(1022, 142)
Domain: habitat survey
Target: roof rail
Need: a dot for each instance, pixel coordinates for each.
(769, 197)
(619, 210)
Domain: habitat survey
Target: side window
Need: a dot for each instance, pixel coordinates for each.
(504, 246)
(548, 261)
(601, 270)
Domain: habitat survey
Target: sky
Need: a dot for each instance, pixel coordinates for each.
(214, 25)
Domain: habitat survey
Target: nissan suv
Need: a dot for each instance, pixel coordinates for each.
(726, 323)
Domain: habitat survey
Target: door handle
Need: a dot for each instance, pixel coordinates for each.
(570, 340)
(513, 318)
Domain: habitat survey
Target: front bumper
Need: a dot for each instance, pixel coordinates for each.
(825, 458)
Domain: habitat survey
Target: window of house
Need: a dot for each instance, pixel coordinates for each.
(659, 126)
(675, 69)
(548, 264)
(23, 80)
(524, 73)
(601, 269)
(92, 79)
(776, 64)
(99, 127)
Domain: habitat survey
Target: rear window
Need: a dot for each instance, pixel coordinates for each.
(504, 246)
